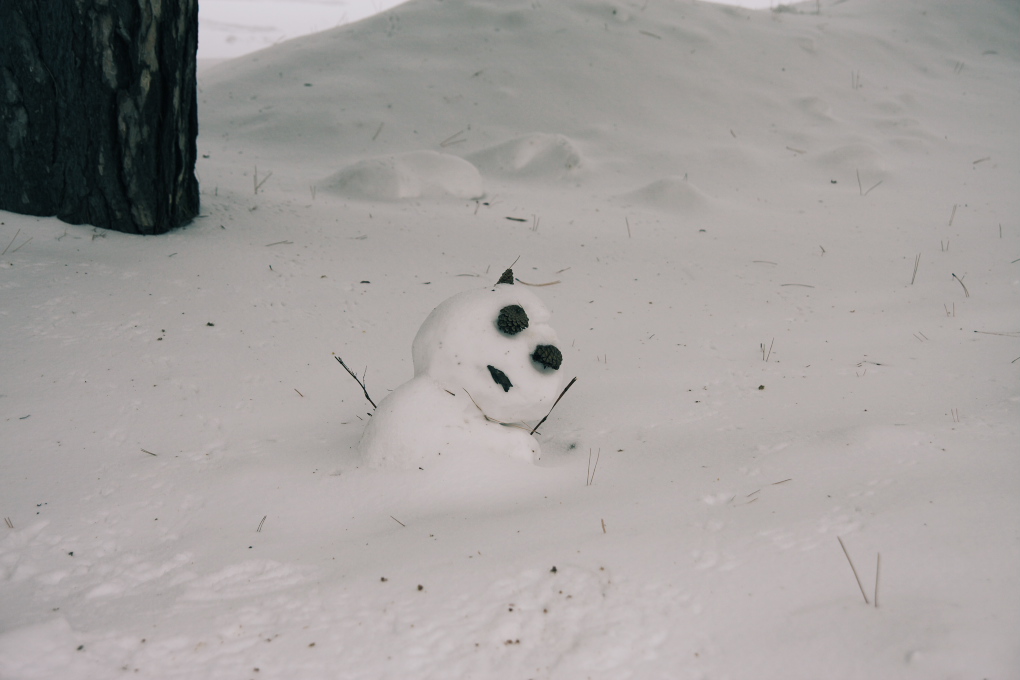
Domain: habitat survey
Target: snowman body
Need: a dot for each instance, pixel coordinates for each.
(485, 361)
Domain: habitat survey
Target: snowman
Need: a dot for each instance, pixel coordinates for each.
(485, 361)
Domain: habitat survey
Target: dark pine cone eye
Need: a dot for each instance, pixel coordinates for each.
(549, 356)
(507, 277)
(512, 319)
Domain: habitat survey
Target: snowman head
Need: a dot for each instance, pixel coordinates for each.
(495, 344)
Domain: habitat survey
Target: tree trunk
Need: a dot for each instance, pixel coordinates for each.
(98, 111)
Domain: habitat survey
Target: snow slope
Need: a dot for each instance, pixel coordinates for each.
(784, 247)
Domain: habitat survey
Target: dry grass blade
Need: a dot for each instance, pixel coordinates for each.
(1010, 334)
(255, 179)
(452, 139)
(572, 381)
(537, 285)
(878, 569)
(917, 263)
(590, 479)
(487, 417)
(353, 375)
(22, 245)
(11, 243)
(853, 569)
(8, 522)
(966, 292)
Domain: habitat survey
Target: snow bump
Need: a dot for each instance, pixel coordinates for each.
(418, 174)
(532, 156)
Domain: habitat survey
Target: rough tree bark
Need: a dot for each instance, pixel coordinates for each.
(98, 111)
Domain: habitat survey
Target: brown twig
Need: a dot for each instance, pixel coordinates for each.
(354, 375)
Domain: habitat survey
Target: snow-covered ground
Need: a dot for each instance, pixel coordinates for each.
(231, 28)
(782, 250)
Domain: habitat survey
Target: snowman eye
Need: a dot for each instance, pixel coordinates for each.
(500, 378)
(512, 319)
(548, 355)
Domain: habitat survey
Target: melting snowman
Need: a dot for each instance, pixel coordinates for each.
(485, 361)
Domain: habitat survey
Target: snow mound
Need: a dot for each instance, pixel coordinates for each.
(671, 194)
(533, 156)
(853, 157)
(418, 174)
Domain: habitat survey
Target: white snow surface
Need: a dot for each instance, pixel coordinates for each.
(785, 251)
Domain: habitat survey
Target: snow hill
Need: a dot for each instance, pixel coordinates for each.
(781, 249)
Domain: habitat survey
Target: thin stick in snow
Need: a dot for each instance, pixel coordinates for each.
(452, 139)
(259, 530)
(878, 568)
(11, 243)
(258, 184)
(353, 375)
(863, 594)
(951, 216)
(965, 291)
(591, 471)
(398, 521)
(22, 245)
(917, 263)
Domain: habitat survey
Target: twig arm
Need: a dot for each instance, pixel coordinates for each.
(356, 379)
(535, 429)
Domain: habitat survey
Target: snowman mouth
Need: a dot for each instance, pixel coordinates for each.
(500, 378)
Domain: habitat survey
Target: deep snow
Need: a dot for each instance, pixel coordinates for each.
(785, 252)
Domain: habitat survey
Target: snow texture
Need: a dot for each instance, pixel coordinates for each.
(788, 285)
